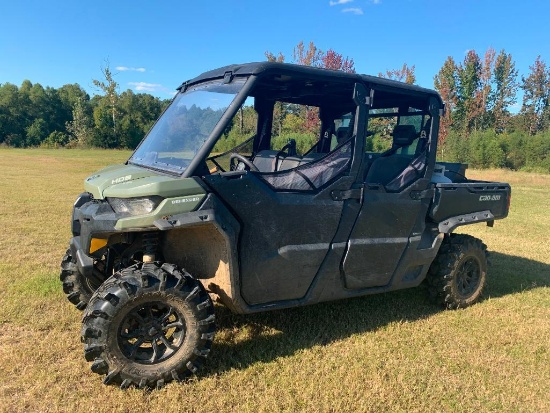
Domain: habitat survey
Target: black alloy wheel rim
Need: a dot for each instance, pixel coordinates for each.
(468, 277)
(151, 333)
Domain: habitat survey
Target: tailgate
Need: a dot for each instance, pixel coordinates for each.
(458, 199)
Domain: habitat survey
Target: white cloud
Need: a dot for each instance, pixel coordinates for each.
(354, 10)
(130, 69)
(376, 1)
(336, 3)
(147, 87)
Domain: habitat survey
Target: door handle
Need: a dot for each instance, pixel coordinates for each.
(340, 195)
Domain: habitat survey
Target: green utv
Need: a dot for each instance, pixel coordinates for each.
(353, 203)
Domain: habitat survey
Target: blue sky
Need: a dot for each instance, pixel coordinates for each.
(155, 46)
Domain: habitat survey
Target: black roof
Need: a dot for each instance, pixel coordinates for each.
(258, 68)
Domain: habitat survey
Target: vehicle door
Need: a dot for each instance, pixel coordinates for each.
(395, 201)
(288, 215)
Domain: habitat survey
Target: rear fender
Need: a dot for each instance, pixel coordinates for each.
(450, 224)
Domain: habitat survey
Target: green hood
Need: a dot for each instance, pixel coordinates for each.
(128, 181)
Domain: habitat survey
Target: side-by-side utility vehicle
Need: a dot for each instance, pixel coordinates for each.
(267, 186)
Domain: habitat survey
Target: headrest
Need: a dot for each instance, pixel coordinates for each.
(342, 133)
(404, 135)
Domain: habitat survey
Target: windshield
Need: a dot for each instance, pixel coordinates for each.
(184, 127)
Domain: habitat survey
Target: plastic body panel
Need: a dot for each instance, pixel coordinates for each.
(285, 236)
(457, 199)
(381, 235)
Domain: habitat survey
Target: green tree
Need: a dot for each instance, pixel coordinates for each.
(103, 132)
(109, 87)
(293, 123)
(137, 114)
(80, 127)
(70, 95)
(482, 117)
(36, 132)
(308, 56)
(446, 83)
(486, 150)
(383, 127)
(469, 81)
(536, 88)
(12, 116)
(56, 139)
(504, 93)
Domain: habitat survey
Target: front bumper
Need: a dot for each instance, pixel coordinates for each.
(91, 219)
(84, 262)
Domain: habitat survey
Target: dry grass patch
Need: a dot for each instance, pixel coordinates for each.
(390, 352)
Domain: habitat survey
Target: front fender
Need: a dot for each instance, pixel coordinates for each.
(205, 242)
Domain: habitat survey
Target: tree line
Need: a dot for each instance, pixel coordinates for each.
(32, 115)
(494, 117)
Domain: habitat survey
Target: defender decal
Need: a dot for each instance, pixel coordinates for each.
(184, 200)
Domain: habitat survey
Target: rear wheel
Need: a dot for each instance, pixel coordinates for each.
(458, 275)
(148, 325)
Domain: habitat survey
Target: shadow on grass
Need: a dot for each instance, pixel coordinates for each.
(509, 274)
(248, 339)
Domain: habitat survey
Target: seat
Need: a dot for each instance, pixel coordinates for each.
(389, 165)
(403, 135)
(289, 162)
(342, 134)
(265, 160)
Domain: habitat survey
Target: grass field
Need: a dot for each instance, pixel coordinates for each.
(391, 352)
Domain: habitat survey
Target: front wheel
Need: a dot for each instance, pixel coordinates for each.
(79, 288)
(148, 325)
(458, 275)
(76, 286)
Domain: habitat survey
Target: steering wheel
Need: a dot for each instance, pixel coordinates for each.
(241, 159)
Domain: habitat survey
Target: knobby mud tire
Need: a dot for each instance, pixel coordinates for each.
(76, 287)
(148, 325)
(458, 275)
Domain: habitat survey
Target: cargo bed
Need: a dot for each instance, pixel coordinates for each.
(456, 204)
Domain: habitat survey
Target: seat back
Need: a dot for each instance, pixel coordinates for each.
(265, 160)
(389, 165)
(386, 168)
(342, 134)
(403, 135)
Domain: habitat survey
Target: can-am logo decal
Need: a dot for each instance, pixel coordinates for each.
(121, 179)
(489, 198)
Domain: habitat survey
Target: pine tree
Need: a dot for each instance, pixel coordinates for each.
(445, 82)
(505, 88)
(536, 88)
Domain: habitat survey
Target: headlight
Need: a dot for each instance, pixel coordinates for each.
(135, 206)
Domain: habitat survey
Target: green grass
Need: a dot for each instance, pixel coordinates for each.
(390, 352)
